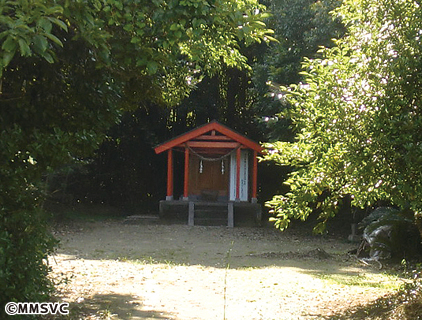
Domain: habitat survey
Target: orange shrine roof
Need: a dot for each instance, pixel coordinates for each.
(212, 137)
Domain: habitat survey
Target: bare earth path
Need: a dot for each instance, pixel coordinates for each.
(113, 270)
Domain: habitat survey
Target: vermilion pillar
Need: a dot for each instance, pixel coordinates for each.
(238, 154)
(254, 177)
(186, 182)
(169, 175)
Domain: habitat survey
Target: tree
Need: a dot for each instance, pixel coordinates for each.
(357, 117)
(68, 70)
(301, 27)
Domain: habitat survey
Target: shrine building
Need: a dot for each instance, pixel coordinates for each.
(220, 176)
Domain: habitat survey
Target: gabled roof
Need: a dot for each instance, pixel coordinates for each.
(222, 136)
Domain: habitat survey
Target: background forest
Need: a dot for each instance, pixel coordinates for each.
(125, 172)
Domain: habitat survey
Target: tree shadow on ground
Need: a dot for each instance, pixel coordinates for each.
(114, 306)
(378, 309)
(214, 247)
(398, 306)
(217, 247)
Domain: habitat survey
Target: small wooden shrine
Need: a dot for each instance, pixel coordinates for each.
(220, 171)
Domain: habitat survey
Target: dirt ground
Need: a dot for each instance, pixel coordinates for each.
(116, 270)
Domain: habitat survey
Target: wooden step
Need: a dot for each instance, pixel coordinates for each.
(200, 212)
(210, 214)
(210, 222)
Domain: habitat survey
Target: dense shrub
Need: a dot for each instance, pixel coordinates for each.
(25, 243)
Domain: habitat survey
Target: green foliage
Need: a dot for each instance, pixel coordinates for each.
(25, 243)
(124, 171)
(356, 118)
(26, 27)
(301, 27)
(68, 70)
(164, 42)
(409, 298)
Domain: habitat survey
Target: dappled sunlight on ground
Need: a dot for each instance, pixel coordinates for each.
(181, 273)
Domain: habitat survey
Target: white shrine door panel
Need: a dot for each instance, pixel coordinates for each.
(244, 173)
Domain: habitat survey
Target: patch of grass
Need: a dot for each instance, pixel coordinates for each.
(403, 304)
(123, 259)
(248, 268)
(152, 261)
(105, 314)
(381, 281)
(138, 260)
